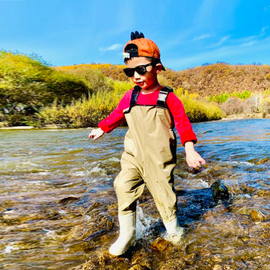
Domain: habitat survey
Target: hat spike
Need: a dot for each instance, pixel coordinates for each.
(136, 35)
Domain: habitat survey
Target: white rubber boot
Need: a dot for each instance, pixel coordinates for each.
(126, 238)
(174, 232)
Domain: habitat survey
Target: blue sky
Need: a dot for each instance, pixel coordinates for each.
(189, 33)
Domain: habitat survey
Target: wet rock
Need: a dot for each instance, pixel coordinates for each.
(257, 215)
(262, 193)
(11, 214)
(219, 172)
(78, 232)
(263, 161)
(96, 227)
(254, 214)
(174, 264)
(216, 259)
(141, 259)
(230, 227)
(96, 262)
(160, 244)
(220, 191)
(247, 189)
(68, 200)
(138, 267)
(190, 258)
(205, 253)
(217, 267)
(94, 206)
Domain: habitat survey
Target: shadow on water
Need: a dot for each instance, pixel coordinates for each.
(200, 201)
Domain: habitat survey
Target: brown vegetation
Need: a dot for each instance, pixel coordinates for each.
(204, 80)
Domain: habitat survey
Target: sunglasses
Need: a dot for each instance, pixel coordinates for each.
(141, 70)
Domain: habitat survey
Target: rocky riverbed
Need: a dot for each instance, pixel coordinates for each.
(59, 211)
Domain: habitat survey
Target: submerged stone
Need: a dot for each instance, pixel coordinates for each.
(138, 267)
(68, 200)
(172, 264)
(263, 161)
(160, 244)
(257, 215)
(141, 260)
(220, 191)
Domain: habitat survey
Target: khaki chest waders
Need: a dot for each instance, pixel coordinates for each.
(149, 157)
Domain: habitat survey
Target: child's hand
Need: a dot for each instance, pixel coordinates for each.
(96, 133)
(193, 158)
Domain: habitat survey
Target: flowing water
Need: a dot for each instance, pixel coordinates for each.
(58, 209)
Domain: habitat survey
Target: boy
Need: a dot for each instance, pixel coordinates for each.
(149, 157)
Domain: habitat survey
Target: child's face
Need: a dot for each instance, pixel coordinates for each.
(148, 81)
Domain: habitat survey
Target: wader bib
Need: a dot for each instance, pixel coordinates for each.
(149, 157)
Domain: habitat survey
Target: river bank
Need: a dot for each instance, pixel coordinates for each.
(228, 118)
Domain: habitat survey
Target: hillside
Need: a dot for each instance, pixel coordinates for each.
(203, 80)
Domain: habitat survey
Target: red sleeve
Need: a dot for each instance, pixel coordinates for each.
(181, 120)
(116, 118)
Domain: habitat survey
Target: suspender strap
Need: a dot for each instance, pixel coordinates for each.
(162, 97)
(161, 101)
(134, 96)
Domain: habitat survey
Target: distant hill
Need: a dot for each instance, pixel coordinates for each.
(203, 80)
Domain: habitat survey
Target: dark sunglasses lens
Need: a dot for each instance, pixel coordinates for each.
(129, 72)
(141, 70)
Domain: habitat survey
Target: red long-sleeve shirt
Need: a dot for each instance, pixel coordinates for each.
(175, 106)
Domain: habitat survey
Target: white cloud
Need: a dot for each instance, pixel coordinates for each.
(237, 53)
(204, 36)
(264, 28)
(247, 44)
(223, 39)
(111, 48)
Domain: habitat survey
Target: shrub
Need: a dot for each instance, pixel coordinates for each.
(233, 105)
(90, 111)
(265, 105)
(251, 105)
(85, 111)
(221, 98)
(198, 109)
(243, 95)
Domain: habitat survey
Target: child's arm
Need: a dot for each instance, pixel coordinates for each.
(193, 158)
(115, 119)
(96, 133)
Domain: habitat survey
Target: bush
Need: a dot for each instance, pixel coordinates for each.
(243, 95)
(251, 105)
(84, 112)
(198, 109)
(265, 105)
(90, 111)
(233, 105)
(221, 98)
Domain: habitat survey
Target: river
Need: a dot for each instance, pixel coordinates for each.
(58, 209)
